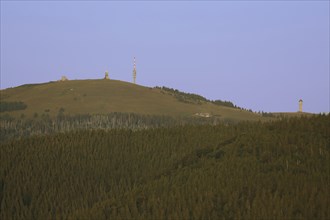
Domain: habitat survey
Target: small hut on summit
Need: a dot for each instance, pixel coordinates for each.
(63, 78)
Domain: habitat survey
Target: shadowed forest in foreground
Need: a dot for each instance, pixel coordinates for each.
(247, 170)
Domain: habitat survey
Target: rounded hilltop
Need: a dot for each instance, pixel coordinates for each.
(106, 74)
(100, 96)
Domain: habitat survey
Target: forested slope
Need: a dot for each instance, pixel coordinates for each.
(13, 128)
(278, 170)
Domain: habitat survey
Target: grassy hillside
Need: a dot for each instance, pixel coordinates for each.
(106, 96)
(250, 170)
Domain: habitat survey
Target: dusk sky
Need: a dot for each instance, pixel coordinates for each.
(261, 55)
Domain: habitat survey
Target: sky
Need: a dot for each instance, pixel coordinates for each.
(261, 55)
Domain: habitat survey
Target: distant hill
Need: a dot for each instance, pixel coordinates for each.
(106, 96)
(292, 114)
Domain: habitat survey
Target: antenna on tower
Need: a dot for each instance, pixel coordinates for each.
(134, 72)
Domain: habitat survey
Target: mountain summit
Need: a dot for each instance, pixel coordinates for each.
(106, 96)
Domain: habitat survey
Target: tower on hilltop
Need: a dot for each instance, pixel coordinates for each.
(134, 72)
(106, 75)
(300, 105)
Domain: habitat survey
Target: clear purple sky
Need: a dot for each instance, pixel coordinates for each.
(262, 55)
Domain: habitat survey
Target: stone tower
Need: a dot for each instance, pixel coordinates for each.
(134, 72)
(300, 105)
(106, 75)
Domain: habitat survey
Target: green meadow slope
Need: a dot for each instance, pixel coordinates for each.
(106, 96)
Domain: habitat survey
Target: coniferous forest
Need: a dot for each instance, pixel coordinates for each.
(190, 170)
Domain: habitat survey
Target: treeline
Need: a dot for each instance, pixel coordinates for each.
(194, 98)
(278, 170)
(183, 96)
(224, 103)
(12, 106)
(267, 114)
(43, 124)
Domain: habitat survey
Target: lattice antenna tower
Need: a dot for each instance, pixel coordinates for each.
(134, 72)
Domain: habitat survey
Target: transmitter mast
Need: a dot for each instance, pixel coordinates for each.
(134, 72)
